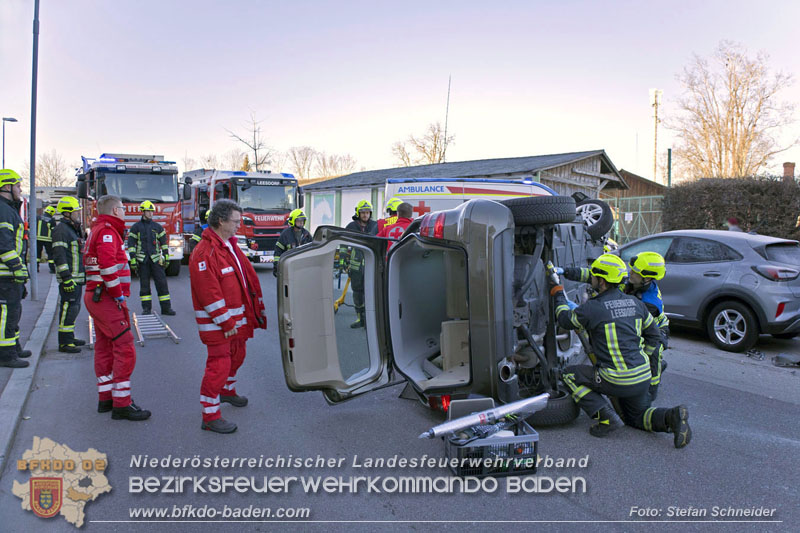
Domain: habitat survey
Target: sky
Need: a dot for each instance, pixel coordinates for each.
(530, 77)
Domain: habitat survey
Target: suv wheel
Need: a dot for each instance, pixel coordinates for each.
(597, 216)
(732, 326)
(534, 210)
(560, 409)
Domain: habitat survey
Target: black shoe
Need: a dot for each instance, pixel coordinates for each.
(663, 365)
(608, 421)
(220, 425)
(168, 311)
(104, 406)
(147, 310)
(236, 401)
(16, 362)
(24, 354)
(357, 324)
(68, 348)
(678, 424)
(131, 412)
(79, 342)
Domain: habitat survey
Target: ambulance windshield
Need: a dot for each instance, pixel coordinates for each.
(265, 198)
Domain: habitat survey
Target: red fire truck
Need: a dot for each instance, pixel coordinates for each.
(267, 199)
(135, 178)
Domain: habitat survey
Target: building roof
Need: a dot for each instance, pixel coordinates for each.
(630, 176)
(467, 169)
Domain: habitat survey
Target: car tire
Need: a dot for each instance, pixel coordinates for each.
(597, 216)
(732, 326)
(785, 336)
(560, 409)
(173, 268)
(535, 210)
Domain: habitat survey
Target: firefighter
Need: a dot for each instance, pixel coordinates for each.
(403, 220)
(67, 248)
(108, 284)
(13, 273)
(292, 237)
(228, 306)
(391, 210)
(624, 336)
(197, 234)
(147, 245)
(45, 224)
(362, 223)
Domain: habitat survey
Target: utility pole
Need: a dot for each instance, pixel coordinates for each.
(446, 116)
(32, 272)
(655, 100)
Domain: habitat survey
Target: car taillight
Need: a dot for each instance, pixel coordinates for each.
(781, 307)
(291, 342)
(438, 226)
(774, 273)
(439, 403)
(432, 225)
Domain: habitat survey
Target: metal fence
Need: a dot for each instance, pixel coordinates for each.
(635, 217)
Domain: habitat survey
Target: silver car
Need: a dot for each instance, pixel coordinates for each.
(734, 285)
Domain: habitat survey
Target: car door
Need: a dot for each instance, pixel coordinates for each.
(319, 348)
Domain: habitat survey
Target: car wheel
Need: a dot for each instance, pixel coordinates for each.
(597, 216)
(785, 335)
(560, 409)
(732, 326)
(173, 268)
(535, 210)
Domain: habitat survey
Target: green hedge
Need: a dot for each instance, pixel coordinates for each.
(768, 206)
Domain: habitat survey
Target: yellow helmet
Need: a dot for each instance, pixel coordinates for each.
(50, 210)
(147, 205)
(295, 215)
(393, 203)
(609, 267)
(68, 204)
(648, 265)
(9, 177)
(363, 205)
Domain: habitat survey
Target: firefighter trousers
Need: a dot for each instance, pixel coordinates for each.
(148, 269)
(48, 247)
(588, 386)
(10, 313)
(222, 364)
(69, 305)
(357, 284)
(114, 351)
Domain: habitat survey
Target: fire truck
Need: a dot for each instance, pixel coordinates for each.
(267, 199)
(135, 178)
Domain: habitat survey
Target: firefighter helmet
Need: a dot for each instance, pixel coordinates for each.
(50, 210)
(68, 204)
(648, 265)
(363, 205)
(609, 267)
(147, 205)
(295, 215)
(9, 177)
(393, 203)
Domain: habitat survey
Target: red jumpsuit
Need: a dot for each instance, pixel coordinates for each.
(226, 293)
(395, 231)
(107, 266)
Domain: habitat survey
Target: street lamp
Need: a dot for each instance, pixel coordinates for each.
(6, 119)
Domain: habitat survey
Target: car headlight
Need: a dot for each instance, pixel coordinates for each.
(175, 241)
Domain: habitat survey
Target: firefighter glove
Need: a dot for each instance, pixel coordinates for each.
(69, 285)
(21, 275)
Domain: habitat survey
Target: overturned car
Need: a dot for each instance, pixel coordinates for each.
(459, 306)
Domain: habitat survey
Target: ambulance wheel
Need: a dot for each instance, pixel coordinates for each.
(535, 210)
(560, 409)
(173, 268)
(597, 216)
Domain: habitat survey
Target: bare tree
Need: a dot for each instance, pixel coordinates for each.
(301, 160)
(235, 159)
(208, 161)
(331, 165)
(729, 115)
(428, 149)
(255, 142)
(188, 162)
(51, 171)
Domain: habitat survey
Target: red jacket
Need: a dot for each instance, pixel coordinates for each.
(105, 259)
(220, 299)
(395, 231)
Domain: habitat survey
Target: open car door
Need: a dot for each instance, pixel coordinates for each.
(324, 343)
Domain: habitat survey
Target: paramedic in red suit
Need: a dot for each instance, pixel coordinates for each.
(108, 284)
(395, 231)
(226, 295)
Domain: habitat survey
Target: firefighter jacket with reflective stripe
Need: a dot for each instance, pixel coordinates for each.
(11, 239)
(197, 234)
(289, 239)
(105, 259)
(147, 239)
(44, 228)
(388, 221)
(226, 293)
(622, 332)
(67, 248)
(356, 259)
(650, 294)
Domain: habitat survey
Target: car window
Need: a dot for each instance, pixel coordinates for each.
(659, 245)
(694, 250)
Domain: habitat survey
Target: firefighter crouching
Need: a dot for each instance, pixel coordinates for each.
(69, 269)
(13, 273)
(624, 336)
(45, 224)
(108, 284)
(292, 237)
(147, 245)
(228, 306)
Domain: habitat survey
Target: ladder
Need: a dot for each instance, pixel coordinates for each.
(147, 327)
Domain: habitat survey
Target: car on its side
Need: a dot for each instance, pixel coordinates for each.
(733, 285)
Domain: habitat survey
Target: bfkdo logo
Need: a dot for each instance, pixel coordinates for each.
(46, 495)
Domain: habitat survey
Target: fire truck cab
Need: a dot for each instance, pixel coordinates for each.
(135, 178)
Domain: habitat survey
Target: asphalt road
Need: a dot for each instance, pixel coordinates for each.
(744, 452)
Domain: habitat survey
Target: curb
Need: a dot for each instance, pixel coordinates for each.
(15, 395)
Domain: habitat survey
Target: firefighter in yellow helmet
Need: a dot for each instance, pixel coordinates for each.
(391, 210)
(293, 236)
(45, 224)
(68, 259)
(362, 223)
(149, 251)
(13, 273)
(624, 336)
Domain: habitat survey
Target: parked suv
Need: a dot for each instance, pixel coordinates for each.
(460, 306)
(734, 285)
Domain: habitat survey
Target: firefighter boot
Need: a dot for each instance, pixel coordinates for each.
(677, 420)
(147, 308)
(79, 342)
(68, 348)
(220, 425)
(607, 421)
(130, 412)
(13, 362)
(167, 310)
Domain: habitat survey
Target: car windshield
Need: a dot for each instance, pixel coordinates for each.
(262, 198)
(785, 252)
(135, 188)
